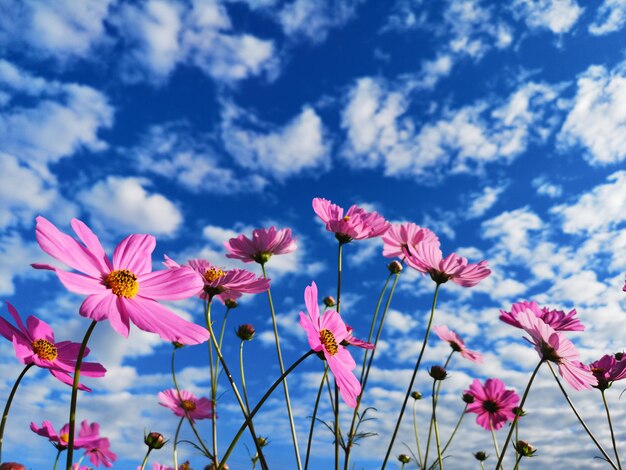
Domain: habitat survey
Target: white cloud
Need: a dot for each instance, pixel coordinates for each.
(597, 119)
(123, 205)
(558, 16)
(17, 255)
(610, 17)
(546, 188)
(511, 229)
(481, 202)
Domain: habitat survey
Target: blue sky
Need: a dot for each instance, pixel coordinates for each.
(499, 125)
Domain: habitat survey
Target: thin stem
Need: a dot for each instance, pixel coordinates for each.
(292, 425)
(434, 401)
(495, 441)
(243, 377)
(516, 419)
(79, 362)
(212, 372)
(217, 362)
(180, 423)
(369, 336)
(580, 419)
(7, 407)
(417, 438)
(56, 460)
(482, 466)
(258, 407)
(518, 459)
(145, 459)
(336, 410)
(317, 402)
(456, 428)
(608, 417)
(410, 387)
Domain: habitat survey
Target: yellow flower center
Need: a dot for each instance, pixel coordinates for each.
(122, 283)
(188, 405)
(213, 274)
(64, 438)
(328, 340)
(346, 218)
(45, 349)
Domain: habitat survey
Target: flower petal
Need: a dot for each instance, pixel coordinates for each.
(39, 329)
(135, 253)
(170, 284)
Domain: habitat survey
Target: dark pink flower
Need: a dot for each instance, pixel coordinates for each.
(34, 344)
(223, 284)
(607, 370)
(197, 408)
(356, 224)
(264, 244)
(426, 257)
(60, 439)
(492, 403)
(555, 347)
(557, 319)
(401, 236)
(325, 335)
(99, 448)
(125, 289)
(457, 344)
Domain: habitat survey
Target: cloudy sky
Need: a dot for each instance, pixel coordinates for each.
(501, 126)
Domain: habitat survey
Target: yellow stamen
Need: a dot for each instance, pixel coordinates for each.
(213, 274)
(188, 405)
(45, 349)
(328, 340)
(122, 283)
(346, 218)
(64, 438)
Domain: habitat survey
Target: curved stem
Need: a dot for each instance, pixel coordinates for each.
(434, 401)
(317, 402)
(417, 437)
(456, 428)
(243, 377)
(56, 460)
(145, 459)
(410, 387)
(580, 419)
(7, 407)
(79, 361)
(217, 362)
(608, 416)
(180, 423)
(292, 425)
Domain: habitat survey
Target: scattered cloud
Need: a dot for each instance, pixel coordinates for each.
(610, 17)
(481, 202)
(547, 188)
(558, 16)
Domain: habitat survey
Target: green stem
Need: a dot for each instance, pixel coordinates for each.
(79, 361)
(145, 459)
(417, 437)
(56, 460)
(243, 377)
(217, 362)
(7, 407)
(212, 372)
(313, 418)
(482, 465)
(580, 419)
(608, 416)
(495, 441)
(258, 406)
(410, 387)
(456, 428)
(180, 423)
(517, 461)
(434, 401)
(292, 425)
(336, 411)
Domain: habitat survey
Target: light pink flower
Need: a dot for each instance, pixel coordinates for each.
(125, 289)
(264, 244)
(426, 257)
(223, 284)
(99, 448)
(197, 408)
(557, 319)
(60, 439)
(357, 224)
(607, 370)
(492, 403)
(457, 344)
(34, 344)
(400, 236)
(325, 334)
(555, 347)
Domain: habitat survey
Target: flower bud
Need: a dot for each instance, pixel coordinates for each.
(519, 411)
(245, 332)
(468, 398)
(619, 356)
(395, 267)
(524, 448)
(262, 257)
(154, 440)
(12, 466)
(438, 373)
(185, 466)
(416, 395)
(480, 456)
(177, 345)
(330, 301)
(262, 441)
(231, 303)
(404, 458)
(213, 467)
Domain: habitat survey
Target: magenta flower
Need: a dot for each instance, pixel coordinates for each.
(60, 439)
(607, 370)
(492, 403)
(264, 244)
(357, 224)
(197, 408)
(457, 344)
(557, 319)
(34, 344)
(426, 257)
(352, 341)
(125, 289)
(326, 334)
(401, 236)
(99, 448)
(555, 347)
(224, 285)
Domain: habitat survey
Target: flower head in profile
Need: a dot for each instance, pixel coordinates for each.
(457, 344)
(124, 289)
(98, 449)
(186, 402)
(264, 244)
(34, 343)
(401, 236)
(553, 346)
(352, 341)
(60, 439)
(493, 403)
(557, 319)
(325, 335)
(607, 370)
(224, 284)
(356, 224)
(426, 257)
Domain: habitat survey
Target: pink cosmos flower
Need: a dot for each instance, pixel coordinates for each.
(426, 257)
(457, 344)
(197, 408)
(34, 344)
(60, 439)
(357, 224)
(555, 347)
(400, 236)
(607, 370)
(326, 334)
(125, 289)
(99, 448)
(624, 288)
(557, 319)
(264, 244)
(492, 403)
(352, 341)
(224, 285)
